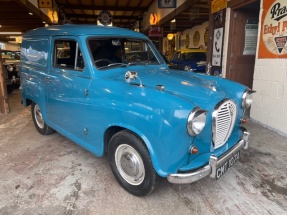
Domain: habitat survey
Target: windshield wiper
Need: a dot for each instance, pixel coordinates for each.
(113, 65)
(123, 64)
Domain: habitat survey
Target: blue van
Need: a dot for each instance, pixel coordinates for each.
(110, 91)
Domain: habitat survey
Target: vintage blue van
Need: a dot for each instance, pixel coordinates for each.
(110, 91)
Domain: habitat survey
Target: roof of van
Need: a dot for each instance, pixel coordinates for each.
(76, 30)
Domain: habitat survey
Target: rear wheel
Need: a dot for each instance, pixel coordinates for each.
(131, 164)
(39, 122)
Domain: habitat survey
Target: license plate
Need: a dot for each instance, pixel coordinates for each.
(229, 163)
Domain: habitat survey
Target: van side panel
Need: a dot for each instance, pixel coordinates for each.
(34, 68)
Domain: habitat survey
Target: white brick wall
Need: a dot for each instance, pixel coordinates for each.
(270, 100)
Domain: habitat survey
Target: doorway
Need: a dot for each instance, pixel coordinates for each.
(242, 42)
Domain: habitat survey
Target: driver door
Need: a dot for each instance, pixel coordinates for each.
(69, 80)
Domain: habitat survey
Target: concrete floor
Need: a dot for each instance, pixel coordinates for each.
(51, 175)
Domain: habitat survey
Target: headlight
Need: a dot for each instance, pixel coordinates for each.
(10, 68)
(247, 98)
(196, 121)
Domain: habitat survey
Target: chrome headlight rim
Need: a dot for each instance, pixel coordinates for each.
(247, 98)
(195, 127)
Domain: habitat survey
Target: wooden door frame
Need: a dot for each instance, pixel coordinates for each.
(233, 5)
(211, 27)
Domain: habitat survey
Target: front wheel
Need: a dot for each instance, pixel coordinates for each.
(39, 122)
(131, 164)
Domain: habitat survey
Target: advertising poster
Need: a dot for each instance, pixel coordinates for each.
(273, 35)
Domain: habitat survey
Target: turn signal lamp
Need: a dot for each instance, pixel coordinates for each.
(243, 120)
(193, 150)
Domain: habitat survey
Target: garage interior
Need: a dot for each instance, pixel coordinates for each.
(52, 175)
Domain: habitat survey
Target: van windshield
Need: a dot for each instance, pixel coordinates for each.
(112, 52)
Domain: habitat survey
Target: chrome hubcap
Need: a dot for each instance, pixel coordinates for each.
(38, 116)
(129, 164)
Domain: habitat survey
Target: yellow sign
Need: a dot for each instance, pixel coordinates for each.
(45, 3)
(217, 5)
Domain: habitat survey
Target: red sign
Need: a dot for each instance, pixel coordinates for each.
(155, 31)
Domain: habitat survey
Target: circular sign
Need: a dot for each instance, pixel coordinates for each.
(105, 17)
(187, 41)
(206, 37)
(274, 31)
(196, 38)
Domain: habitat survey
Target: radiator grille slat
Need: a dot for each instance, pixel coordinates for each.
(224, 116)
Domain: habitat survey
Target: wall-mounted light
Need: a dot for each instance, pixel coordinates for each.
(152, 19)
(30, 13)
(170, 36)
(53, 16)
(18, 39)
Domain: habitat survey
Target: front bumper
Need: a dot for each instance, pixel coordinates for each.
(214, 162)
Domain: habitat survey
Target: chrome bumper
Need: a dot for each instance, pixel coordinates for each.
(214, 162)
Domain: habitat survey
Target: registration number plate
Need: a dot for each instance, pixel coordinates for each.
(225, 166)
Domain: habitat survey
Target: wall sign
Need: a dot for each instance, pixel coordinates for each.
(251, 34)
(155, 31)
(206, 36)
(217, 47)
(45, 4)
(105, 17)
(217, 5)
(166, 4)
(187, 41)
(273, 35)
(196, 38)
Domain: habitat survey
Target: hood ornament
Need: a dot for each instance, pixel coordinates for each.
(209, 84)
(131, 76)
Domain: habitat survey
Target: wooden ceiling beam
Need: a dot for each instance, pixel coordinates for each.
(185, 6)
(87, 16)
(109, 8)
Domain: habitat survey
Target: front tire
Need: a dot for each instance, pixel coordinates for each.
(38, 120)
(131, 163)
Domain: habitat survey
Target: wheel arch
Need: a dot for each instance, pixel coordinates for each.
(112, 130)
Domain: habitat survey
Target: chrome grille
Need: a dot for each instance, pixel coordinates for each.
(224, 116)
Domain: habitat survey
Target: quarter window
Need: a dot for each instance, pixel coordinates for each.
(68, 55)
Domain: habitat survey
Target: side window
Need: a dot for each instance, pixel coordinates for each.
(67, 54)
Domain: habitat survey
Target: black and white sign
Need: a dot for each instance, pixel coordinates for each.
(251, 35)
(217, 47)
(105, 17)
(166, 3)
